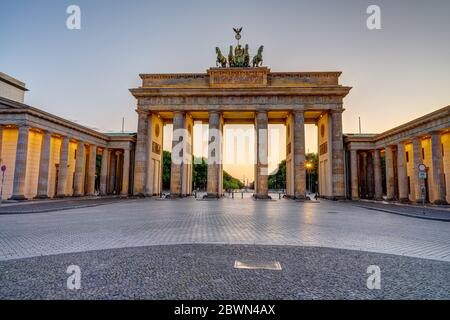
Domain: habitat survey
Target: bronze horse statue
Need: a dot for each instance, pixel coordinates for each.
(231, 58)
(258, 59)
(221, 60)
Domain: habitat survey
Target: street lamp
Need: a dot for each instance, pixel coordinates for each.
(309, 166)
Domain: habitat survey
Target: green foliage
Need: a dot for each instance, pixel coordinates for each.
(199, 174)
(277, 180)
(231, 183)
(167, 162)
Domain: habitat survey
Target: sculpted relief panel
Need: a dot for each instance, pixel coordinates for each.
(237, 77)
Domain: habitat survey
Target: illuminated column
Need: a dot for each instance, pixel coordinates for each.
(63, 167)
(214, 187)
(401, 173)
(1, 141)
(140, 157)
(20, 168)
(378, 180)
(417, 155)
(79, 181)
(112, 172)
(44, 163)
(181, 169)
(104, 172)
(261, 167)
(390, 178)
(91, 169)
(126, 171)
(354, 174)
(299, 155)
(337, 154)
(438, 168)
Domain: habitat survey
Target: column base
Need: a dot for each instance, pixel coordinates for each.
(404, 200)
(334, 198)
(262, 197)
(213, 196)
(19, 197)
(42, 197)
(60, 196)
(78, 195)
(440, 202)
(355, 198)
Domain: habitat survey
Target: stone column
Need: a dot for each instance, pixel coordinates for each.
(126, 171)
(401, 173)
(378, 179)
(299, 155)
(177, 154)
(1, 141)
(437, 164)
(390, 178)
(104, 172)
(140, 156)
(20, 169)
(417, 155)
(370, 175)
(63, 167)
(112, 172)
(44, 166)
(91, 170)
(337, 153)
(79, 181)
(354, 174)
(262, 173)
(214, 189)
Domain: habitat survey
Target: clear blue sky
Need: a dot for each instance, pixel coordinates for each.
(398, 73)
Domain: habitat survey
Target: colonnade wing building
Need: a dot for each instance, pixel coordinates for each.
(47, 156)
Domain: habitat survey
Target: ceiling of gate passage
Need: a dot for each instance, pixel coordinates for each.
(243, 117)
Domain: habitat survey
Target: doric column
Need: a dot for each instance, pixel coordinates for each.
(91, 169)
(262, 171)
(214, 187)
(299, 155)
(337, 153)
(1, 141)
(20, 168)
(104, 172)
(79, 177)
(417, 155)
(44, 166)
(401, 173)
(125, 171)
(140, 157)
(378, 177)
(354, 174)
(437, 164)
(177, 153)
(148, 183)
(112, 172)
(390, 178)
(63, 167)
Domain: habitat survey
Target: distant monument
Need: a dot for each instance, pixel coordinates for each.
(240, 56)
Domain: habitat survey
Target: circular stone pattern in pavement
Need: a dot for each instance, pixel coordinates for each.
(204, 271)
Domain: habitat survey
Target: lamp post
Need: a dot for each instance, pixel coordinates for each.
(309, 166)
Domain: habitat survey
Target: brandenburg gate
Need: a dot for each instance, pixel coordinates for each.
(239, 91)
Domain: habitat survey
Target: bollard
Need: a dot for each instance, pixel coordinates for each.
(242, 195)
(232, 195)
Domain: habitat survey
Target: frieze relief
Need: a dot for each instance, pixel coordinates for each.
(240, 100)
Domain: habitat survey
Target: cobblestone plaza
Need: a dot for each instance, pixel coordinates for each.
(184, 249)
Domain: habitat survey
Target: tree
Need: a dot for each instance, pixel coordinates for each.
(199, 174)
(167, 168)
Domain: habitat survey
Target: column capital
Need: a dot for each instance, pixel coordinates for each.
(336, 111)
